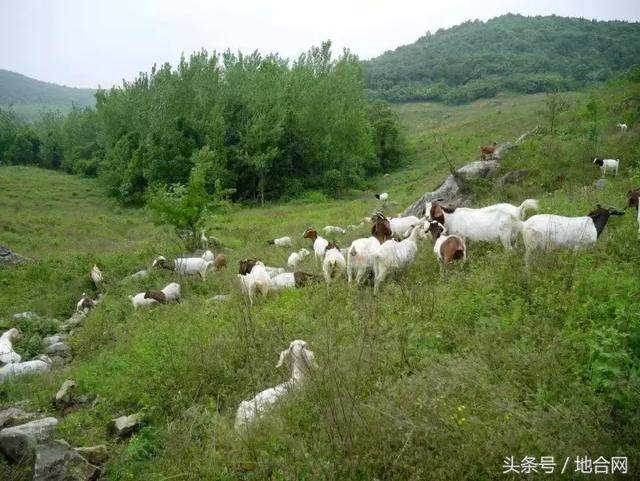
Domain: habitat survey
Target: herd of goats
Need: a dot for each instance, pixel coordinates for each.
(391, 247)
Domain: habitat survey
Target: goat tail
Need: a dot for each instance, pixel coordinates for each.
(528, 204)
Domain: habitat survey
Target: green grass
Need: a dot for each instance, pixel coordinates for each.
(439, 377)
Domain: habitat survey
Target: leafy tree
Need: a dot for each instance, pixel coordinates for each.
(183, 205)
(554, 104)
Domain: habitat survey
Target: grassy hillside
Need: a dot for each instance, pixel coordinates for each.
(511, 52)
(485, 361)
(28, 96)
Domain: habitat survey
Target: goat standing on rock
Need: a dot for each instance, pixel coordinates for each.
(488, 149)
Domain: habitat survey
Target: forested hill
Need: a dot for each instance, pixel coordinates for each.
(27, 96)
(523, 54)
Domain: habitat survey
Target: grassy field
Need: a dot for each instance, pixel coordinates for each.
(440, 377)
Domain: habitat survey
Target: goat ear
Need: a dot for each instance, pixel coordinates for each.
(310, 358)
(283, 356)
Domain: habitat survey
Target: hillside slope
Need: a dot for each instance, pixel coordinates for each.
(27, 95)
(485, 361)
(512, 52)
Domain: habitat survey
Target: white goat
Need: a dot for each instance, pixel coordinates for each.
(490, 224)
(185, 265)
(622, 127)
(208, 255)
(302, 361)
(384, 196)
(360, 258)
(7, 354)
(401, 226)
(289, 280)
(394, 255)
(319, 243)
(296, 258)
(547, 232)
(28, 367)
(332, 229)
(96, 276)
(204, 241)
(257, 280)
(333, 264)
(280, 242)
(274, 271)
(171, 292)
(139, 301)
(607, 164)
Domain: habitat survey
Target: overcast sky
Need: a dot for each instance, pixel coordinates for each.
(86, 43)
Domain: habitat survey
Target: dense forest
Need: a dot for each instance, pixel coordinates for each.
(27, 96)
(259, 127)
(512, 52)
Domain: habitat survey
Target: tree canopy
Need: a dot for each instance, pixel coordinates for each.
(512, 52)
(271, 128)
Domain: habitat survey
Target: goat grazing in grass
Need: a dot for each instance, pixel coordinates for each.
(7, 354)
(384, 196)
(446, 247)
(607, 164)
(333, 230)
(302, 360)
(185, 265)
(360, 255)
(280, 242)
(290, 280)
(545, 232)
(488, 149)
(334, 263)
(140, 301)
(296, 258)
(254, 278)
(319, 243)
(171, 292)
(634, 201)
(393, 255)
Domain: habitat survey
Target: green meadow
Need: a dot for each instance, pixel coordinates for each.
(439, 377)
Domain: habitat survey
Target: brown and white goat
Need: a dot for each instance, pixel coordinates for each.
(488, 149)
(448, 248)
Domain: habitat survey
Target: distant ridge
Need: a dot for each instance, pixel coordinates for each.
(523, 54)
(28, 96)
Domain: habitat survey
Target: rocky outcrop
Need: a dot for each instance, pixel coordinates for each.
(10, 258)
(97, 455)
(125, 425)
(18, 443)
(452, 190)
(57, 461)
(64, 396)
(13, 416)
